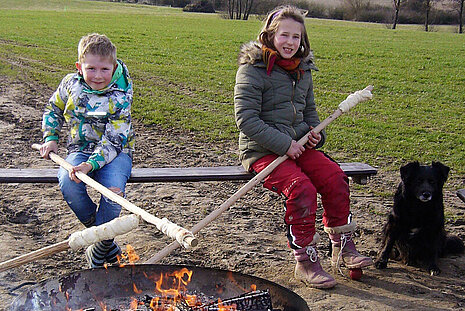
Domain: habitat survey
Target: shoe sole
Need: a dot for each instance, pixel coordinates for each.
(355, 266)
(316, 285)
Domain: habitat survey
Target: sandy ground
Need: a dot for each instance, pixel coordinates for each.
(248, 238)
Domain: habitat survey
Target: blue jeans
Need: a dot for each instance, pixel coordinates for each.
(113, 175)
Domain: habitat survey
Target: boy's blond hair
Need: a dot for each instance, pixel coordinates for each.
(96, 44)
(271, 25)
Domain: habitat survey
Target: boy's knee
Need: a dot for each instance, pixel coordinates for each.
(117, 190)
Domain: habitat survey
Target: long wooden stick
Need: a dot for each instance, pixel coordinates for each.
(86, 237)
(344, 106)
(183, 236)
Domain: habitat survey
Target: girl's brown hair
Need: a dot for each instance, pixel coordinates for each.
(272, 23)
(96, 44)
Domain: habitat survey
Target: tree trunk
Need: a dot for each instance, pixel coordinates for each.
(396, 17)
(247, 9)
(461, 17)
(239, 9)
(231, 9)
(427, 11)
(239, 16)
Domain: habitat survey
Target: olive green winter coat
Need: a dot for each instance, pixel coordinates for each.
(271, 110)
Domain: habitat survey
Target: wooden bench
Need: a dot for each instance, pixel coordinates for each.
(359, 172)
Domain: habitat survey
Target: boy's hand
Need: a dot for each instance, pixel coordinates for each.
(84, 167)
(46, 148)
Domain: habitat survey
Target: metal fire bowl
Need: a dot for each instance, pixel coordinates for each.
(86, 288)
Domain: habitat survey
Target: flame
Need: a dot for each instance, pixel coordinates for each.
(179, 282)
(134, 304)
(131, 256)
(191, 300)
(136, 290)
(225, 308)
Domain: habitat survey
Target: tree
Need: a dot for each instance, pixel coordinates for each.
(355, 7)
(397, 4)
(427, 6)
(239, 9)
(459, 6)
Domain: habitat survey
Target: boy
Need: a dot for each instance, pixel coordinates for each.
(96, 103)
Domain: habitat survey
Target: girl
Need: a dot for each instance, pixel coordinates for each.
(274, 108)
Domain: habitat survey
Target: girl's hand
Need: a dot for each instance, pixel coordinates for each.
(46, 148)
(295, 150)
(313, 139)
(84, 167)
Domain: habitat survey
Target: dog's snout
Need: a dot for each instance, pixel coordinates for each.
(425, 196)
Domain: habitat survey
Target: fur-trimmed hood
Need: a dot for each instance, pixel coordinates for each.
(251, 53)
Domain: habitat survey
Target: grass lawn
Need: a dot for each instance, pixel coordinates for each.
(184, 64)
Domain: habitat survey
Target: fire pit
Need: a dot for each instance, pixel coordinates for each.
(158, 287)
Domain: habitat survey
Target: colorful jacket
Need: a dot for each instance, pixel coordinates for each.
(271, 110)
(99, 121)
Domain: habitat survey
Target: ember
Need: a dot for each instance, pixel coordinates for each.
(253, 301)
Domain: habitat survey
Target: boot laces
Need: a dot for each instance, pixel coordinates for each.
(345, 238)
(312, 253)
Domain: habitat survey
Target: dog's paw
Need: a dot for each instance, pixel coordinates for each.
(381, 263)
(434, 271)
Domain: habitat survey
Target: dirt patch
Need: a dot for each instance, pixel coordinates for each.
(248, 238)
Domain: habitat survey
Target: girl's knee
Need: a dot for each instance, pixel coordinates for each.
(301, 201)
(339, 178)
(300, 188)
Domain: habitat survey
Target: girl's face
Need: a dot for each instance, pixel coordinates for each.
(96, 70)
(287, 38)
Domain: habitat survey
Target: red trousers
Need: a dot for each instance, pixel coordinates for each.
(299, 181)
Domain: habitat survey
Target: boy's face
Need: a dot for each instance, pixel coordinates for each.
(97, 70)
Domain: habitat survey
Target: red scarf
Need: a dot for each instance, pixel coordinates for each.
(271, 57)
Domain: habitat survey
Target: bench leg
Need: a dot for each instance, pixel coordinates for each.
(360, 179)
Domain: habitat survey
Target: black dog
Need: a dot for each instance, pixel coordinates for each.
(415, 227)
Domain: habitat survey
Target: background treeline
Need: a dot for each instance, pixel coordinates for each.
(437, 12)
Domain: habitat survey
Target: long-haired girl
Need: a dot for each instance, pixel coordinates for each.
(274, 108)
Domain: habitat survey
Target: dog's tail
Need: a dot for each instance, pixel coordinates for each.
(453, 245)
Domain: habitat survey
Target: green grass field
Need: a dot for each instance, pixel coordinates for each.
(184, 65)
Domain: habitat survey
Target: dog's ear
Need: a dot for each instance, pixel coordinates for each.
(442, 169)
(406, 170)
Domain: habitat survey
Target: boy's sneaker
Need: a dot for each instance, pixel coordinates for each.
(113, 255)
(92, 261)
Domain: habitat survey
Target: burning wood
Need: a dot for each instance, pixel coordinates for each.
(252, 301)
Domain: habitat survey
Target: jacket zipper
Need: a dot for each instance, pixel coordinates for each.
(293, 106)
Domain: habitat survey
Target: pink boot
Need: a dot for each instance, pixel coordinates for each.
(308, 268)
(343, 246)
